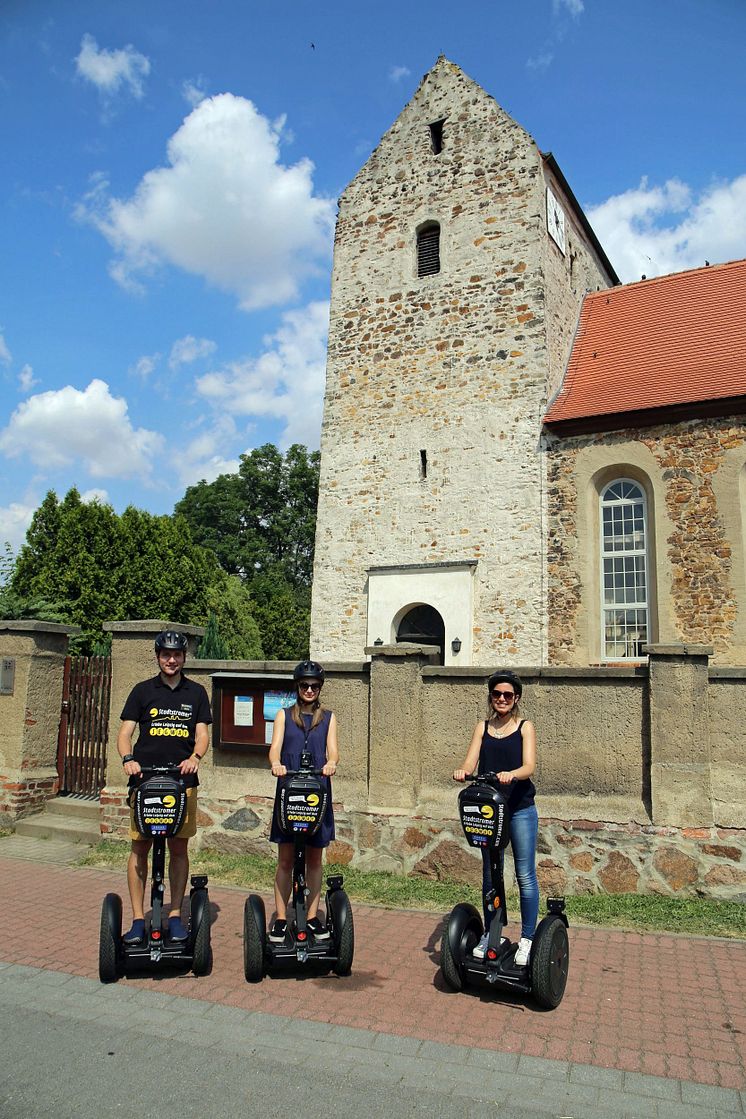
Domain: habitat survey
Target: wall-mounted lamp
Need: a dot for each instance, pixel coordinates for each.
(456, 645)
(378, 641)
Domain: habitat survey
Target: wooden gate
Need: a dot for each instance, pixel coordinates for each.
(84, 725)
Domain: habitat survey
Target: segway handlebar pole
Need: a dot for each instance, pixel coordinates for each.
(480, 777)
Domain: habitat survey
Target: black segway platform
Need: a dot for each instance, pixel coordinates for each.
(159, 804)
(485, 819)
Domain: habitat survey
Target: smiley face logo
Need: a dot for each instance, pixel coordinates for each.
(169, 801)
(312, 799)
(153, 712)
(487, 811)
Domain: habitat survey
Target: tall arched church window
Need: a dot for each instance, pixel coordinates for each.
(624, 571)
(428, 249)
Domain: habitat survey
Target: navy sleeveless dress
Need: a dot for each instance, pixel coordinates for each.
(293, 745)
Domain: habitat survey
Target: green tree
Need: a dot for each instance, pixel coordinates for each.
(262, 518)
(99, 566)
(234, 610)
(212, 647)
(261, 525)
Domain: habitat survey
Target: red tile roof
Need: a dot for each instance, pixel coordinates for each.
(661, 343)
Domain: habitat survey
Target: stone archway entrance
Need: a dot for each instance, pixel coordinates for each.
(423, 625)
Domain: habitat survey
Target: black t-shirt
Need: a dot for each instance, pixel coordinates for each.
(167, 718)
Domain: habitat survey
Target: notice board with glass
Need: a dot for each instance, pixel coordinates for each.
(245, 706)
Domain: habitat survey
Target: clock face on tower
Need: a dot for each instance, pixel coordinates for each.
(555, 221)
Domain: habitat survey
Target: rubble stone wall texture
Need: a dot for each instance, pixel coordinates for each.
(692, 472)
(454, 365)
(574, 856)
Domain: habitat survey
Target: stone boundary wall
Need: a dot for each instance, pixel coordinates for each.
(641, 779)
(573, 857)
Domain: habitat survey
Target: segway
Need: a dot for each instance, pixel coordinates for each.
(302, 801)
(485, 818)
(159, 803)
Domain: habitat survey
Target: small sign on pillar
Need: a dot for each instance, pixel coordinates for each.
(7, 675)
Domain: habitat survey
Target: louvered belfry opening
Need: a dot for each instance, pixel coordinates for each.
(428, 249)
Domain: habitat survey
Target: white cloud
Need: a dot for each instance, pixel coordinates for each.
(193, 92)
(224, 208)
(145, 365)
(574, 8)
(56, 428)
(14, 522)
(396, 73)
(654, 230)
(110, 70)
(26, 379)
(189, 349)
(285, 382)
(540, 62)
(202, 457)
(94, 495)
(5, 356)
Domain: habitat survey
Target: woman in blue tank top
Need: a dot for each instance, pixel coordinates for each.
(304, 726)
(505, 744)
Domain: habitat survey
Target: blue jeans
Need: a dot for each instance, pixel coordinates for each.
(524, 830)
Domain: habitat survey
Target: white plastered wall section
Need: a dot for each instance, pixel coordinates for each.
(449, 589)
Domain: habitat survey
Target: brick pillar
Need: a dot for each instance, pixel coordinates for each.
(33, 656)
(132, 660)
(680, 735)
(396, 723)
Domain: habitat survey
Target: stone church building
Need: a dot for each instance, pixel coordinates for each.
(522, 461)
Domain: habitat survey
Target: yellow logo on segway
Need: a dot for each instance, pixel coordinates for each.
(487, 811)
(169, 801)
(312, 799)
(153, 712)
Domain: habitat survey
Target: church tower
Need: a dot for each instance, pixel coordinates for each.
(461, 259)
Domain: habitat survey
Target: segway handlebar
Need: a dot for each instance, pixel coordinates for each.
(481, 777)
(304, 773)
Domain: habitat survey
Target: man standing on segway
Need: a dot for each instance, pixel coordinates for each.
(173, 714)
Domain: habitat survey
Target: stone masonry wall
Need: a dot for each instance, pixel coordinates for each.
(574, 856)
(692, 479)
(454, 365)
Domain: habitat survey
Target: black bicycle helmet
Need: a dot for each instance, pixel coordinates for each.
(506, 677)
(308, 670)
(169, 639)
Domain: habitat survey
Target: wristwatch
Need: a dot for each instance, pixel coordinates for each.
(128, 758)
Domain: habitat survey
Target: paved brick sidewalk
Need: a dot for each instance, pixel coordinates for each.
(646, 1004)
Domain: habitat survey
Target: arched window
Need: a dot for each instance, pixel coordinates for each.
(428, 249)
(624, 571)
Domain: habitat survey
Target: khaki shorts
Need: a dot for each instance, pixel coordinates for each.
(187, 830)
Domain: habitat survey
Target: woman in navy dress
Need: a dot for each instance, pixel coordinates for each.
(304, 726)
(505, 744)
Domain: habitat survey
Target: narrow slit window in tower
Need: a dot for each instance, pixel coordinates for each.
(436, 135)
(428, 249)
(423, 464)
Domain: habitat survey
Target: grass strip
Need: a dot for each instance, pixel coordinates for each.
(640, 912)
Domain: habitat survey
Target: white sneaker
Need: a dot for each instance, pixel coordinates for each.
(523, 952)
(479, 950)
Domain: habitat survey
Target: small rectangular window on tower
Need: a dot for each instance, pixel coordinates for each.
(423, 464)
(428, 249)
(436, 135)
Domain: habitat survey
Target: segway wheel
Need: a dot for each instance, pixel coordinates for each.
(461, 931)
(550, 959)
(109, 938)
(199, 918)
(254, 939)
(343, 933)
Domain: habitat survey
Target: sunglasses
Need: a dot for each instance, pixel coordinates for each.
(303, 687)
(497, 694)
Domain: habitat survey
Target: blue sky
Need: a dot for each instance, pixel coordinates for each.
(169, 185)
